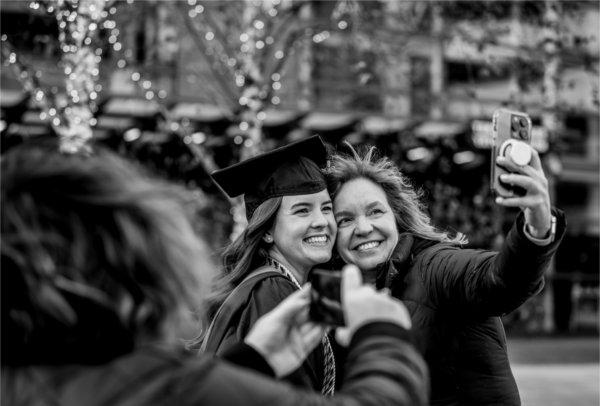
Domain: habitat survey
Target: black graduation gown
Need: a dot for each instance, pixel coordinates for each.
(266, 295)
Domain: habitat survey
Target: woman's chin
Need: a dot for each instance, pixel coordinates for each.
(368, 264)
(318, 255)
(320, 259)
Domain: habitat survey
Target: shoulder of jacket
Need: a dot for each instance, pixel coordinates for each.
(436, 248)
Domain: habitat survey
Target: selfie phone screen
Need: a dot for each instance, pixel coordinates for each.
(325, 297)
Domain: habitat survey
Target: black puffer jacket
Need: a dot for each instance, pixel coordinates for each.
(382, 369)
(455, 297)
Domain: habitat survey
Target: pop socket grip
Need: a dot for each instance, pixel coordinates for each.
(518, 151)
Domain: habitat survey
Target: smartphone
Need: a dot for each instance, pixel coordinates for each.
(508, 129)
(325, 297)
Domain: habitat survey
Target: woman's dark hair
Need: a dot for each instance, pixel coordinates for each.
(97, 257)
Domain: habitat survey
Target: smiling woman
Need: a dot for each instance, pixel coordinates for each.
(455, 296)
(291, 229)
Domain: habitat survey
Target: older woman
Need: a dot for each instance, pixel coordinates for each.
(100, 269)
(455, 296)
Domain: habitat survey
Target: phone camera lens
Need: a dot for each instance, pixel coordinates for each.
(523, 134)
(523, 122)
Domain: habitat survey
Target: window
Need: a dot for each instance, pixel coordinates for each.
(573, 140)
(420, 76)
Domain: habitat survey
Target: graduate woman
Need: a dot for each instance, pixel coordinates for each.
(290, 229)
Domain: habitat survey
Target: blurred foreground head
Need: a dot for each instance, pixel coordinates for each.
(97, 258)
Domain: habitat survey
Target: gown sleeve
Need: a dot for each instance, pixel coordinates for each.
(265, 296)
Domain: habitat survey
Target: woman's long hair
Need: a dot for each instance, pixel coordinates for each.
(248, 252)
(404, 200)
(96, 257)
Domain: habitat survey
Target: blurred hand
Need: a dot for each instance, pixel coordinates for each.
(363, 304)
(536, 201)
(285, 336)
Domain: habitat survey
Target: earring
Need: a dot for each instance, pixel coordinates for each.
(268, 239)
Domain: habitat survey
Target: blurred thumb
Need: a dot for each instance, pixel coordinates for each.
(342, 336)
(351, 279)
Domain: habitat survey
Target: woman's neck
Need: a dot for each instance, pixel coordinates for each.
(370, 276)
(299, 274)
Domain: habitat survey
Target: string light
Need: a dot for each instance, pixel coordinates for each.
(78, 27)
(30, 83)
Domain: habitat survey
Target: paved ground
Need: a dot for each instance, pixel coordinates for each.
(556, 371)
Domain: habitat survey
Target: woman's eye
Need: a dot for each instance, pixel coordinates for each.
(375, 212)
(343, 220)
(327, 209)
(301, 211)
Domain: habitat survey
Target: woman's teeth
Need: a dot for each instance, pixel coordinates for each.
(367, 245)
(318, 240)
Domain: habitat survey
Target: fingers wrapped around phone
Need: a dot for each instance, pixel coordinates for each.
(536, 191)
(533, 169)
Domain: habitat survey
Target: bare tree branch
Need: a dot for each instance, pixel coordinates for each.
(225, 85)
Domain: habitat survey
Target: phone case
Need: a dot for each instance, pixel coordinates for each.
(507, 125)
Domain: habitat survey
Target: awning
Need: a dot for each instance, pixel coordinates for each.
(32, 118)
(279, 118)
(12, 98)
(130, 107)
(378, 125)
(27, 130)
(115, 123)
(200, 112)
(328, 121)
(147, 112)
(433, 130)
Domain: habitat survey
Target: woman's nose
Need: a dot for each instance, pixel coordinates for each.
(363, 226)
(319, 220)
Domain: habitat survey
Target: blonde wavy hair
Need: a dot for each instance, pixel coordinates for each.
(403, 198)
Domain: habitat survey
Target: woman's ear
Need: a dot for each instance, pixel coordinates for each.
(268, 237)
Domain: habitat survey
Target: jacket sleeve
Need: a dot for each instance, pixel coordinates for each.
(382, 369)
(245, 356)
(484, 282)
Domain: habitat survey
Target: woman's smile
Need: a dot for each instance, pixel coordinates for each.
(317, 240)
(367, 246)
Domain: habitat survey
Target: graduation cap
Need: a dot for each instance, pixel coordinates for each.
(287, 171)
